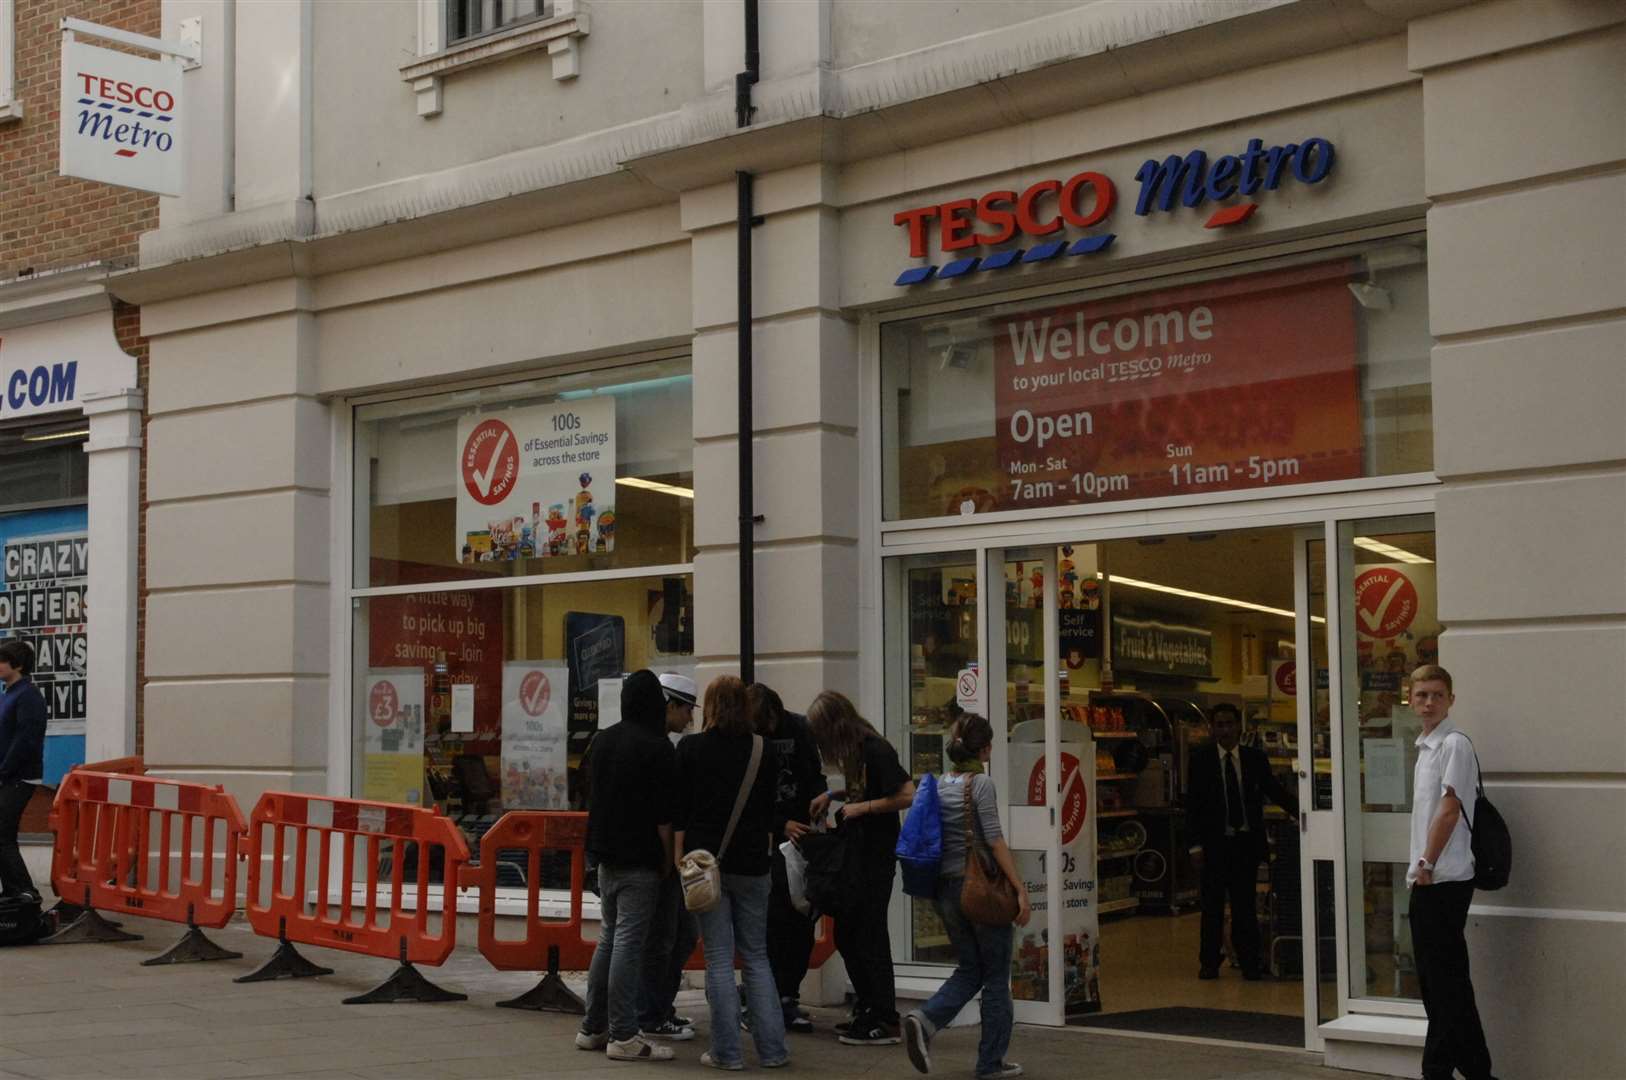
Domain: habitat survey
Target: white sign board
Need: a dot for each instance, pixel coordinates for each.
(535, 712)
(966, 694)
(122, 120)
(393, 736)
(50, 367)
(536, 482)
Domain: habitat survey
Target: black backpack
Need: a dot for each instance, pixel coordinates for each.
(1491, 842)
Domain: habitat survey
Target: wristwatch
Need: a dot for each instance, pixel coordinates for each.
(1424, 864)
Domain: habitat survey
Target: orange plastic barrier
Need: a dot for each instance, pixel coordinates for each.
(549, 945)
(146, 846)
(298, 838)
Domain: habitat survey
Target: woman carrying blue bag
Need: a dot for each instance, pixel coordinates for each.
(984, 951)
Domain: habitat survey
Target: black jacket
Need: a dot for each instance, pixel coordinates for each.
(22, 732)
(1205, 795)
(633, 777)
(711, 768)
(801, 775)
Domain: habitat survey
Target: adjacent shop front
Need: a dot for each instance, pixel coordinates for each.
(70, 438)
(1135, 458)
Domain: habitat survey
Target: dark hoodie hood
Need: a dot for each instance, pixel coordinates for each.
(642, 702)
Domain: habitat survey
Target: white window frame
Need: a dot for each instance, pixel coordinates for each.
(559, 32)
(10, 108)
(555, 903)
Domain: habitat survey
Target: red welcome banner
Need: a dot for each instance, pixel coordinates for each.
(1250, 382)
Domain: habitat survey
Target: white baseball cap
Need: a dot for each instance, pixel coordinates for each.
(679, 688)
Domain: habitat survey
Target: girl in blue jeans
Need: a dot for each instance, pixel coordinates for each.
(712, 771)
(984, 952)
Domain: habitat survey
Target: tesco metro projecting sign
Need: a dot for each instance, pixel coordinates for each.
(122, 120)
(1087, 199)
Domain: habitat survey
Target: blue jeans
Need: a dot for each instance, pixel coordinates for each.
(984, 965)
(740, 923)
(628, 895)
(673, 931)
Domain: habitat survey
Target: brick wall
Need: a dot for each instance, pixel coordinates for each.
(46, 221)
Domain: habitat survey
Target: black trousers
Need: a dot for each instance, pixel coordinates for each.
(865, 945)
(1456, 1039)
(790, 938)
(14, 796)
(1230, 873)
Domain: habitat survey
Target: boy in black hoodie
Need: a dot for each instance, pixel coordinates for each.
(629, 835)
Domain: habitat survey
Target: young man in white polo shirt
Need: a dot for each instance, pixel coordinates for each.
(1441, 875)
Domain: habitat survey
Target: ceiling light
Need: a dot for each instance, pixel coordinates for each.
(1389, 550)
(77, 433)
(651, 485)
(1153, 586)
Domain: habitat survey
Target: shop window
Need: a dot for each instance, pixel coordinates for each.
(43, 464)
(479, 701)
(589, 472)
(543, 531)
(1311, 370)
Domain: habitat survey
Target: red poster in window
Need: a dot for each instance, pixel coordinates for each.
(466, 627)
(1247, 383)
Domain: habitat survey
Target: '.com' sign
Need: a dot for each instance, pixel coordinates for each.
(122, 120)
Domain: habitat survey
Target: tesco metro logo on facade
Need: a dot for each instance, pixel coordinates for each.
(1087, 199)
(121, 119)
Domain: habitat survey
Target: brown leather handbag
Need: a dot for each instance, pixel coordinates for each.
(987, 897)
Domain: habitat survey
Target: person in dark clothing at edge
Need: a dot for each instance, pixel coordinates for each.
(629, 833)
(876, 790)
(673, 930)
(22, 760)
(800, 780)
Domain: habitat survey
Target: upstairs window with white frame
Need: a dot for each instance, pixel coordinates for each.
(467, 19)
(10, 107)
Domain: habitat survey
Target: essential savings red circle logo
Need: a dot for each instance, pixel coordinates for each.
(1287, 678)
(383, 703)
(1074, 803)
(490, 462)
(534, 693)
(1385, 602)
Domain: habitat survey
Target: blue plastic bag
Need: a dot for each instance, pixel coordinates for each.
(920, 842)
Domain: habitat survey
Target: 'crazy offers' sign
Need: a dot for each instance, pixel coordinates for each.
(121, 119)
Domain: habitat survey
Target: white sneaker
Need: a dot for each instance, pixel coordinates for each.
(591, 1040)
(636, 1049)
(1007, 1071)
(711, 1062)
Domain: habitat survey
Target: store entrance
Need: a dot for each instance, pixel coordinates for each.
(1116, 658)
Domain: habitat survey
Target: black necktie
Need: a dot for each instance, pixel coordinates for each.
(1233, 794)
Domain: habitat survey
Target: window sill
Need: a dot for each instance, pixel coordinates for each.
(11, 112)
(559, 35)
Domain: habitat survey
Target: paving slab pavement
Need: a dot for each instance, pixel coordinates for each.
(75, 1011)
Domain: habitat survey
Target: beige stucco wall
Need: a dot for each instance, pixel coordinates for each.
(1525, 119)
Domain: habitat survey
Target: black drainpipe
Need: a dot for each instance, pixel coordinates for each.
(745, 220)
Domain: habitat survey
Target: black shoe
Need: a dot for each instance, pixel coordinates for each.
(871, 1033)
(798, 1023)
(914, 1041)
(1208, 971)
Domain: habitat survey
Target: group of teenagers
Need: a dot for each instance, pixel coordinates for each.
(753, 778)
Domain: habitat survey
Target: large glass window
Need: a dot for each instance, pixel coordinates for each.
(593, 471)
(1313, 369)
(544, 530)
